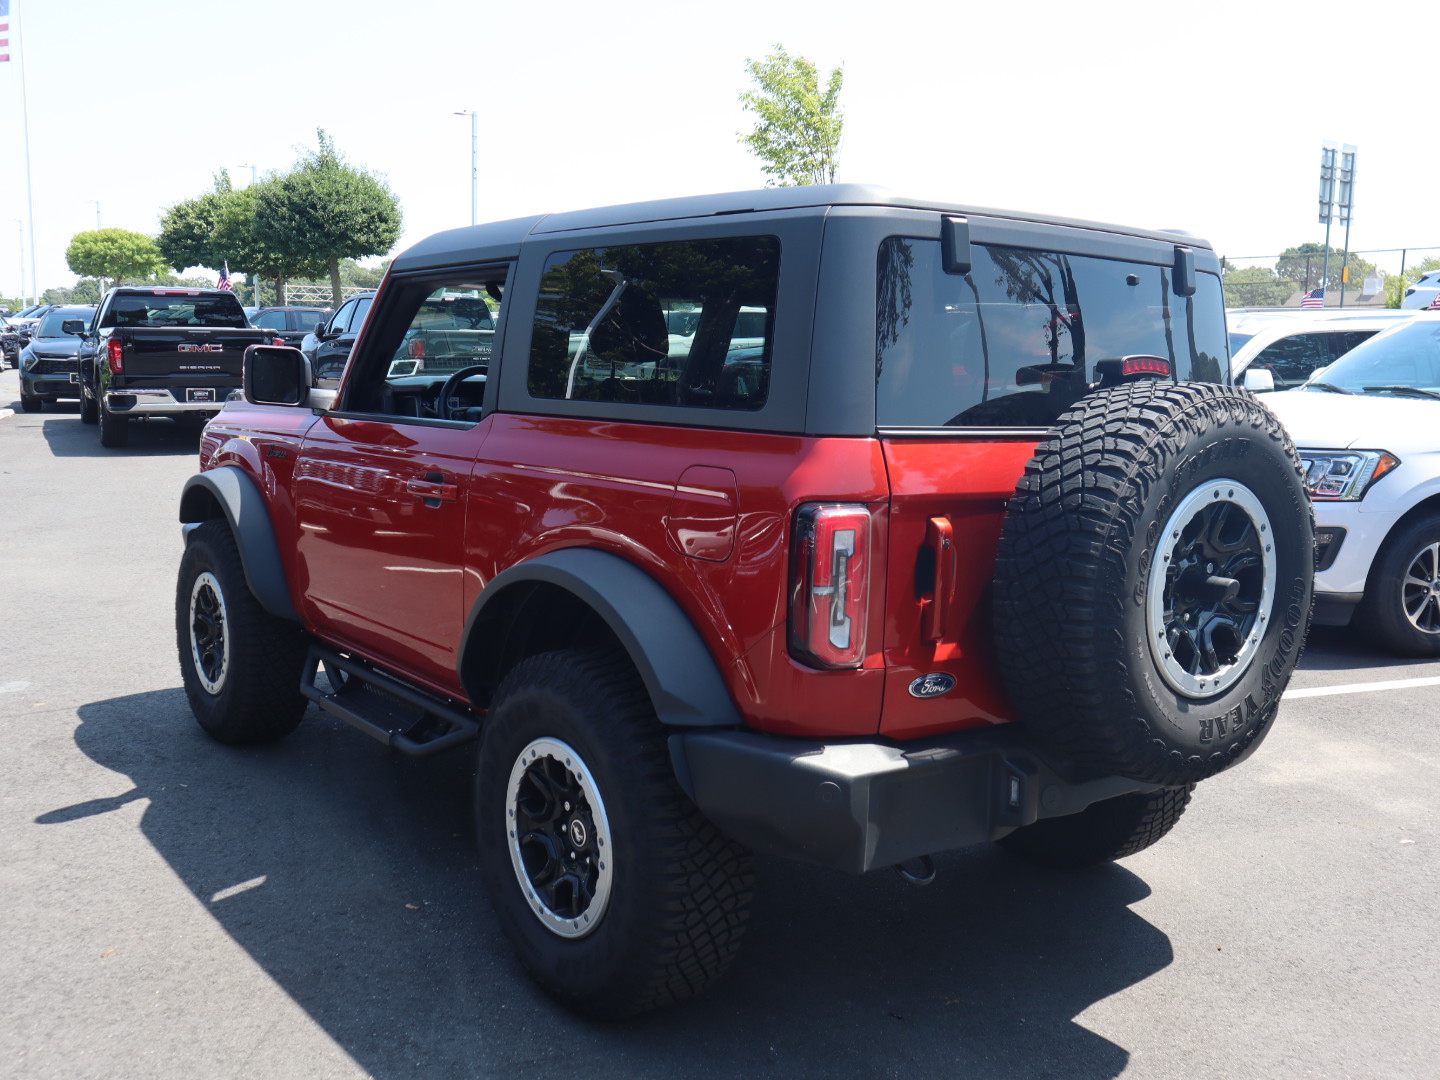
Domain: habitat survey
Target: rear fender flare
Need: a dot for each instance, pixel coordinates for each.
(243, 505)
(684, 683)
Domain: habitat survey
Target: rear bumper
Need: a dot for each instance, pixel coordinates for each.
(857, 806)
(138, 401)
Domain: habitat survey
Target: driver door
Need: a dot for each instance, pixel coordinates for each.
(383, 487)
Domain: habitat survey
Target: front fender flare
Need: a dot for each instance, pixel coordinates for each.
(243, 504)
(679, 672)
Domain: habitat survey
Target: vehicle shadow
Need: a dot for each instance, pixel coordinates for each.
(1345, 648)
(348, 874)
(68, 437)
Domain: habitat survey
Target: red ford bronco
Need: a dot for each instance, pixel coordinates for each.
(810, 521)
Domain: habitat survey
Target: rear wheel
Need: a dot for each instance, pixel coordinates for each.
(240, 665)
(1401, 606)
(114, 429)
(617, 894)
(1102, 832)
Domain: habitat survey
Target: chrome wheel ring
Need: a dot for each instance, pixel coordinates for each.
(209, 633)
(1211, 589)
(559, 838)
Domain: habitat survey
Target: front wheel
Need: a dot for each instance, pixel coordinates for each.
(1401, 606)
(30, 403)
(616, 893)
(240, 665)
(89, 409)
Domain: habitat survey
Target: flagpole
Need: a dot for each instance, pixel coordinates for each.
(29, 187)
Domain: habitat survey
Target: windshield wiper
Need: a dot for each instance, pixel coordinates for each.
(1414, 390)
(1330, 386)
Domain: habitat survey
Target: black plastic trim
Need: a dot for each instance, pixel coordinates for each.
(857, 806)
(245, 509)
(684, 683)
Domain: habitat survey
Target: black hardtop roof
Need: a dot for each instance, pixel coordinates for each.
(495, 239)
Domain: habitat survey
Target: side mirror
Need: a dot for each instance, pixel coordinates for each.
(1259, 380)
(275, 375)
(73, 326)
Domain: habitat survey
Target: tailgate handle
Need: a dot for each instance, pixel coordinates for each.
(934, 606)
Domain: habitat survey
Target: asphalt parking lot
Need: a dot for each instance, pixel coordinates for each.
(177, 909)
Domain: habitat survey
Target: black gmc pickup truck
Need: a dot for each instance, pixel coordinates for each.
(162, 352)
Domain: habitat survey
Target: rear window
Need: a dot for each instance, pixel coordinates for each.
(688, 323)
(175, 309)
(1015, 342)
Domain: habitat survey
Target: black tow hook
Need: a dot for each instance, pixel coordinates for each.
(922, 874)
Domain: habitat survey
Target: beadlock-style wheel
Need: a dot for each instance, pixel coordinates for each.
(1212, 590)
(559, 838)
(209, 633)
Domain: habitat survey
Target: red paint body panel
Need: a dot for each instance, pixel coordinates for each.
(965, 483)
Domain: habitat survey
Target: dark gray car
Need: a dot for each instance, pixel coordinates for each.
(50, 361)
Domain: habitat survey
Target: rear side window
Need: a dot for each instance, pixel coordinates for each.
(1292, 359)
(688, 323)
(1015, 342)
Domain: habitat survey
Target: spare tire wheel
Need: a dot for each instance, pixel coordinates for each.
(1154, 581)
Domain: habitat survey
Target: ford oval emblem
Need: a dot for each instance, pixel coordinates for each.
(932, 685)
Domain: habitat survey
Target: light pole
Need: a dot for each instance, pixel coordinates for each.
(474, 163)
(97, 212)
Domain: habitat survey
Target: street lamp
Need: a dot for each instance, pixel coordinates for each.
(474, 163)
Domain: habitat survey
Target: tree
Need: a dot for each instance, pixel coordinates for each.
(325, 210)
(187, 231)
(1256, 286)
(113, 253)
(1305, 266)
(798, 131)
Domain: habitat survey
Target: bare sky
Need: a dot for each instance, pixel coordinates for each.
(1207, 117)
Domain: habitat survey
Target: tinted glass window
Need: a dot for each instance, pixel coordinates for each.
(1292, 359)
(270, 320)
(341, 322)
(1016, 341)
(166, 309)
(308, 320)
(688, 323)
(52, 325)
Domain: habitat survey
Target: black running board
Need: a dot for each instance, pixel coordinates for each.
(386, 709)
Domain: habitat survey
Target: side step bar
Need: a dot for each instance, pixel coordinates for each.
(384, 708)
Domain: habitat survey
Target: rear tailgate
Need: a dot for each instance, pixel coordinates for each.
(948, 500)
(178, 358)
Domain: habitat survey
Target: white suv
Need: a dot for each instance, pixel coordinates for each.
(1366, 431)
(1422, 294)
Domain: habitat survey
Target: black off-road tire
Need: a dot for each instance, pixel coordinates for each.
(1102, 832)
(89, 409)
(114, 429)
(240, 665)
(30, 403)
(1154, 581)
(649, 908)
(1401, 606)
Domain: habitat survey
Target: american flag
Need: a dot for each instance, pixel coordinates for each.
(1434, 305)
(225, 282)
(1314, 298)
(4, 30)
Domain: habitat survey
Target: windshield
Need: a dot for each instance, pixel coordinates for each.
(1404, 361)
(53, 323)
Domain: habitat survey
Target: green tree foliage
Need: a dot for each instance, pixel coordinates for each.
(326, 210)
(187, 230)
(1256, 286)
(1305, 267)
(115, 254)
(797, 133)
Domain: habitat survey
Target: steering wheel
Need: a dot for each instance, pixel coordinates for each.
(442, 400)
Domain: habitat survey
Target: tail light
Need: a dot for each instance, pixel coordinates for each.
(417, 349)
(115, 356)
(830, 586)
(279, 341)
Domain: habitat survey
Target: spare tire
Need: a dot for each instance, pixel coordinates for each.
(1154, 581)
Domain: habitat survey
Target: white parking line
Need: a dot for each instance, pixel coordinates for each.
(1360, 687)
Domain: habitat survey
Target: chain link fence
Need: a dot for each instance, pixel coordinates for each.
(1376, 278)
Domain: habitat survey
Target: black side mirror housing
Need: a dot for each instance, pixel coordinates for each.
(275, 375)
(73, 326)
